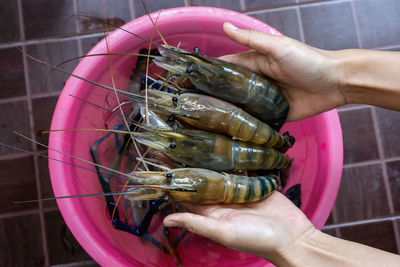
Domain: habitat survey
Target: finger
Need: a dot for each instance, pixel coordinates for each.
(201, 209)
(248, 60)
(261, 42)
(201, 225)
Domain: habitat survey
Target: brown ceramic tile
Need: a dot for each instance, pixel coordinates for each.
(17, 183)
(86, 264)
(378, 235)
(330, 219)
(9, 30)
(42, 78)
(45, 183)
(359, 141)
(329, 25)
(389, 125)
(63, 248)
(21, 241)
(43, 109)
(156, 5)
(351, 106)
(46, 18)
(12, 80)
(89, 43)
(361, 194)
(115, 12)
(286, 21)
(262, 4)
(331, 232)
(228, 4)
(378, 22)
(14, 117)
(393, 170)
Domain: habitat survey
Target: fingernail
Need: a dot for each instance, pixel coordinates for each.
(171, 224)
(232, 27)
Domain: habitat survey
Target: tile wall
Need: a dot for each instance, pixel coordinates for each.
(367, 209)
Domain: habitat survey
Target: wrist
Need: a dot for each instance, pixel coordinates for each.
(297, 253)
(347, 65)
(343, 68)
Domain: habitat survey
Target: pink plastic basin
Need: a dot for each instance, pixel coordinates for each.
(317, 154)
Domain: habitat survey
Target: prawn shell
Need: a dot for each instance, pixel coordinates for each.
(212, 187)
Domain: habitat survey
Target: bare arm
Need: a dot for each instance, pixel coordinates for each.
(370, 77)
(313, 81)
(319, 249)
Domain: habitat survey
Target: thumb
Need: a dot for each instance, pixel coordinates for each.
(201, 225)
(259, 41)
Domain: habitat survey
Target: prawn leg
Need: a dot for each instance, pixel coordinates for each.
(141, 229)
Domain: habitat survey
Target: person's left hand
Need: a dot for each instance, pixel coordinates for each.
(267, 228)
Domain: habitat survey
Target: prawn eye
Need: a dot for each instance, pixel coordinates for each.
(174, 99)
(196, 51)
(172, 146)
(168, 175)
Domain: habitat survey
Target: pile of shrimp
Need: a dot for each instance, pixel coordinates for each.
(201, 130)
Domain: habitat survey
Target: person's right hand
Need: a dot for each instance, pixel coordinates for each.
(309, 77)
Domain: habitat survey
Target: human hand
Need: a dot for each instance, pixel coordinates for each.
(309, 77)
(267, 228)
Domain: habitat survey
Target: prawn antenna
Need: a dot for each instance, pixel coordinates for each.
(154, 164)
(68, 163)
(76, 196)
(121, 92)
(148, 14)
(119, 104)
(122, 29)
(68, 155)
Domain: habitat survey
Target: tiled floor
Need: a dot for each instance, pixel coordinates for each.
(367, 209)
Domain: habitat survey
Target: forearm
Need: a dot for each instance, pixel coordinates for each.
(370, 77)
(318, 249)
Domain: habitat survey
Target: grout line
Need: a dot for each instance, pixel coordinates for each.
(132, 9)
(334, 219)
(382, 157)
(338, 234)
(51, 40)
(370, 162)
(16, 155)
(396, 235)
(12, 99)
(290, 6)
(300, 22)
(50, 209)
(76, 5)
(344, 108)
(361, 164)
(46, 94)
(18, 213)
(354, 12)
(268, 10)
(188, 2)
(242, 5)
(75, 264)
(348, 224)
(394, 46)
(32, 133)
(23, 98)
